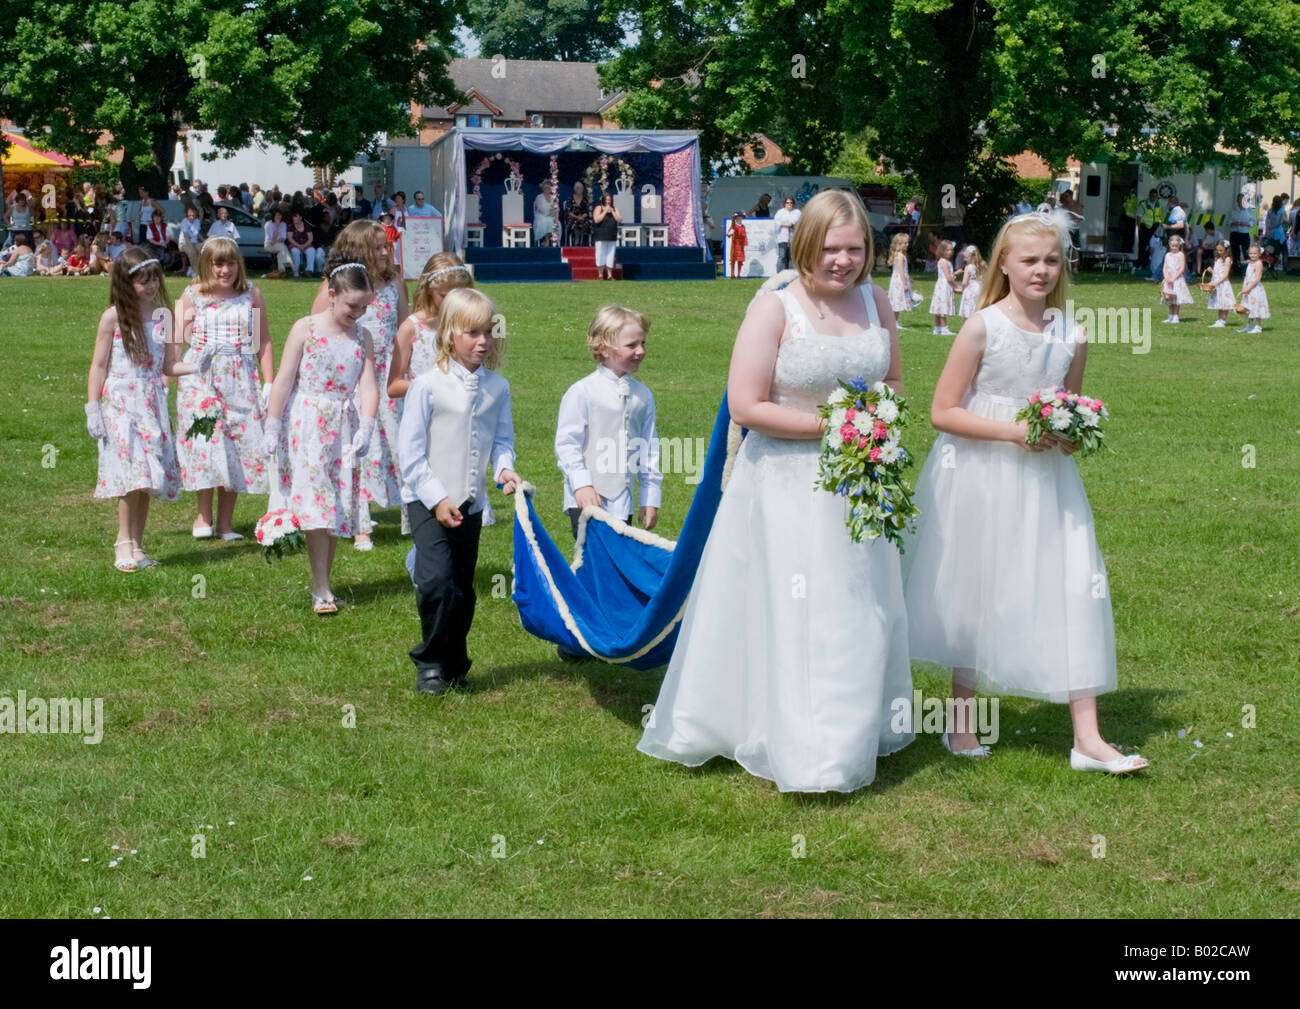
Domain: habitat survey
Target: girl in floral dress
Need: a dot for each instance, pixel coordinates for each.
(900, 284)
(1174, 292)
(126, 403)
(941, 303)
(321, 451)
(225, 312)
(1253, 298)
(366, 243)
(1221, 298)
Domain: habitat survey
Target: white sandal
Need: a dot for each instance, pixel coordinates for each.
(125, 564)
(975, 752)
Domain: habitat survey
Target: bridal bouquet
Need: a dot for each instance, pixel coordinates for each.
(1067, 415)
(278, 532)
(863, 462)
(205, 420)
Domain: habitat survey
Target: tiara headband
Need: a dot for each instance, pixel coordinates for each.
(141, 265)
(1058, 220)
(346, 266)
(446, 269)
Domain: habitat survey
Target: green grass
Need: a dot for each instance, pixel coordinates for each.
(226, 704)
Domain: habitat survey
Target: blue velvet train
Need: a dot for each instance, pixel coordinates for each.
(623, 598)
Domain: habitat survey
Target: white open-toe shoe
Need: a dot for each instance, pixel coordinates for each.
(1122, 764)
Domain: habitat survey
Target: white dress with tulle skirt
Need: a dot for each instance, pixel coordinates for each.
(793, 647)
(1004, 573)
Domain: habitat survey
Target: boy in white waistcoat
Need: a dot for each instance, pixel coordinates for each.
(605, 438)
(456, 428)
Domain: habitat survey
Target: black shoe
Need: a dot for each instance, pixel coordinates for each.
(431, 681)
(461, 682)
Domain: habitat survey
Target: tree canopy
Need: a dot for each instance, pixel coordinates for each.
(544, 29)
(322, 78)
(948, 88)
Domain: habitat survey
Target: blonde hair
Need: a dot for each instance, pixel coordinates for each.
(828, 209)
(608, 323)
(216, 251)
(1022, 227)
(465, 310)
(945, 248)
(357, 242)
(1175, 243)
(974, 258)
(451, 274)
(898, 244)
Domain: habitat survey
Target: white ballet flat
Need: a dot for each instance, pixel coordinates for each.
(201, 532)
(232, 535)
(363, 544)
(975, 752)
(1122, 764)
(1218, 325)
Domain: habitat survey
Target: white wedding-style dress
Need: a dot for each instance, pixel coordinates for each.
(1005, 576)
(793, 647)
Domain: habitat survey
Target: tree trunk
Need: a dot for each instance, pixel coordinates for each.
(154, 177)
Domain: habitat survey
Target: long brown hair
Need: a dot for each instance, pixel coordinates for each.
(357, 242)
(442, 274)
(130, 311)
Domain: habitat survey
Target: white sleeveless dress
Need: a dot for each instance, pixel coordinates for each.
(793, 646)
(1004, 573)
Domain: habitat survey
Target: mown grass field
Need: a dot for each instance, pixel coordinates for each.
(224, 697)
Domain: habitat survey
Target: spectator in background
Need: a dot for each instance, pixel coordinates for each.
(345, 193)
(1175, 221)
(246, 197)
(223, 226)
(380, 204)
(259, 200)
(64, 237)
(303, 253)
(1205, 247)
(1239, 222)
(786, 218)
(19, 218)
(577, 217)
(191, 238)
(147, 206)
(763, 208)
(116, 243)
(399, 210)
(156, 234)
(421, 209)
(275, 233)
(362, 209)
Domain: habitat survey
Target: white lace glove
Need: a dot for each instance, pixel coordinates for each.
(361, 442)
(270, 437)
(95, 421)
(265, 399)
(206, 357)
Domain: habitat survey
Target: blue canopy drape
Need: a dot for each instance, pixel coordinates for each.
(623, 598)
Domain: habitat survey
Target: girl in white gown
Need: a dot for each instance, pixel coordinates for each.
(793, 648)
(1006, 583)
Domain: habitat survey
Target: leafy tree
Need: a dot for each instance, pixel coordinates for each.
(546, 30)
(323, 78)
(951, 87)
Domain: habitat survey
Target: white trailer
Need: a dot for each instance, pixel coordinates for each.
(267, 165)
(1104, 185)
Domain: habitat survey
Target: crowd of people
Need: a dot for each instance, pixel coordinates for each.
(299, 228)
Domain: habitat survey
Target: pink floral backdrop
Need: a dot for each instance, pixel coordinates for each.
(679, 198)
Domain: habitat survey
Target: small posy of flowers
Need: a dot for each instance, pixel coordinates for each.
(279, 532)
(1068, 415)
(205, 420)
(862, 460)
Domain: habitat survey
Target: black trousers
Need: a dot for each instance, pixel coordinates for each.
(1239, 243)
(444, 588)
(1144, 245)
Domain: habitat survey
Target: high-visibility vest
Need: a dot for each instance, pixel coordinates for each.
(1131, 205)
(1151, 214)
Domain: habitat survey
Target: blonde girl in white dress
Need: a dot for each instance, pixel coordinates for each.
(1006, 583)
(941, 303)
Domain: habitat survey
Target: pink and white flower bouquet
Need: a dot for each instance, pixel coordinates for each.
(278, 532)
(205, 420)
(1068, 415)
(862, 460)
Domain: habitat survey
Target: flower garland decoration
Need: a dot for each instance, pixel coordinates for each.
(476, 175)
(555, 176)
(601, 168)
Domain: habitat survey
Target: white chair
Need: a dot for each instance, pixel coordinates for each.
(629, 234)
(516, 236)
(474, 235)
(657, 234)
